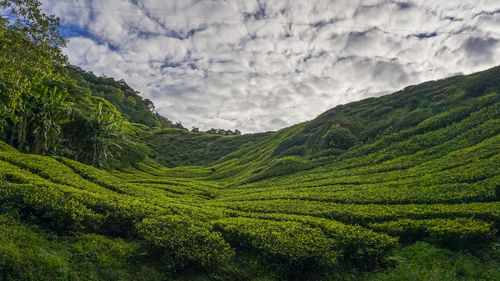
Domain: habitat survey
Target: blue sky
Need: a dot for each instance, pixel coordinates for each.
(257, 65)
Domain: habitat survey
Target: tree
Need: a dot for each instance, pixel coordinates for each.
(164, 122)
(178, 125)
(211, 131)
(95, 133)
(106, 129)
(48, 109)
(30, 46)
(29, 53)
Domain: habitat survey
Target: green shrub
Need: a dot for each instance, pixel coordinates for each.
(295, 246)
(6, 148)
(97, 257)
(338, 137)
(179, 241)
(457, 233)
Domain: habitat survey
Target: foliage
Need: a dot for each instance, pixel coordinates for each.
(26, 255)
(42, 110)
(483, 83)
(296, 246)
(127, 101)
(30, 47)
(423, 261)
(174, 147)
(94, 136)
(30, 55)
(219, 132)
(104, 127)
(31, 253)
(48, 109)
(282, 166)
(329, 197)
(435, 180)
(36, 127)
(458, 233)
(339, 137)
(182, 240)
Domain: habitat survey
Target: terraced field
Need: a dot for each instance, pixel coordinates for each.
(420, 165)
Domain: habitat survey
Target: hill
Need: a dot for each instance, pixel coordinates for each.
(126, 100)
(406, 180)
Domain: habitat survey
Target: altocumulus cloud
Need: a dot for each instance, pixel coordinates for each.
(262, 65)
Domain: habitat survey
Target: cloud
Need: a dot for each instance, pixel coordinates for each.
(480, 50)
(260, 65)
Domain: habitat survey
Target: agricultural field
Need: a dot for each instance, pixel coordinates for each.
(95, 184)
(357, 193)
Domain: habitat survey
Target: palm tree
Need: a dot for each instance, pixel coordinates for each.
(106, 126)
(49, 109)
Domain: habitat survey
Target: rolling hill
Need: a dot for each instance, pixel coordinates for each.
(334, 198)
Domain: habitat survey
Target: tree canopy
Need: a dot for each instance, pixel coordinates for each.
(30, 47)
(45, 111)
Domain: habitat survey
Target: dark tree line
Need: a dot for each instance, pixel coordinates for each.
(213, 131)
(222, 132)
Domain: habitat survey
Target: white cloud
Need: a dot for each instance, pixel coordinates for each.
(238, 64)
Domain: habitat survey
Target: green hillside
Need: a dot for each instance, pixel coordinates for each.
(342, 197)
(126, 100)
(95, 185)
(176, 147)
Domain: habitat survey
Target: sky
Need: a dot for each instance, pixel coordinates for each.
(258, 65)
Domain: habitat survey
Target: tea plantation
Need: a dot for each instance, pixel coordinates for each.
(400, 187)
